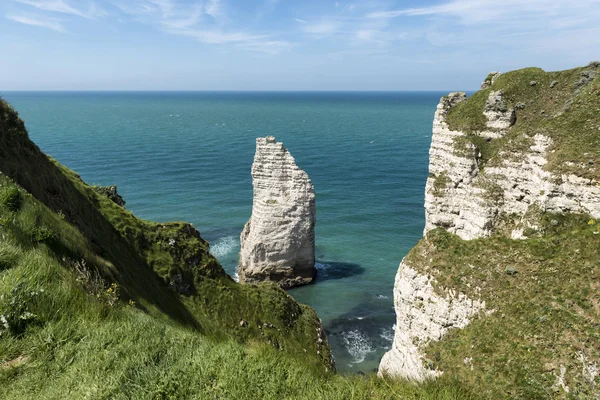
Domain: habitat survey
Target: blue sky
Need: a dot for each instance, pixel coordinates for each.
(287, 44)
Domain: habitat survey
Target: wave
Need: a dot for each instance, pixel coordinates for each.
(224, 246)
(358, 345)
(387, 334)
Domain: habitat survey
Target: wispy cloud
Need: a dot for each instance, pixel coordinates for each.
(538, 23)
(38, 21)
(300, 21)
(206, 22)
(61, 6)
(477, 12)
(322, 28)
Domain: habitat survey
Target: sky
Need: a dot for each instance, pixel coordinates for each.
(287, 44)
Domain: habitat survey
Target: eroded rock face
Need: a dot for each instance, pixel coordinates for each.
(278, 242)
(422, 315)
(489, 81)
(469, 201)
(472, 202)
(499, 116)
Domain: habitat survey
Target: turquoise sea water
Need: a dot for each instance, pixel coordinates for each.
(187, 156)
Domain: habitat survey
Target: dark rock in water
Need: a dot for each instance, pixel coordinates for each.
(111, 193)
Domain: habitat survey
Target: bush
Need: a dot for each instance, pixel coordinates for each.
(42, 234)
(16, 309)
(9, 256)
(10, 197)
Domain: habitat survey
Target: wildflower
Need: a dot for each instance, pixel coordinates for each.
(591, 222)
(3, 321)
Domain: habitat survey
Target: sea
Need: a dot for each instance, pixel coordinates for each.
(186, 156)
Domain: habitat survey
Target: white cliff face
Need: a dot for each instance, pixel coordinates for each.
(422, 315)
(472, 202)
(468, 202)
(278, 242)
(499, 116)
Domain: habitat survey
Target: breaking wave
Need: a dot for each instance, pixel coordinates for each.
(224, 246)
(358, 345)
(387, 334)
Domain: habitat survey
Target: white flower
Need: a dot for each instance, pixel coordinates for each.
(3, 321)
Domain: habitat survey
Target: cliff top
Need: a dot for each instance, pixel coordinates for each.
(563, 105)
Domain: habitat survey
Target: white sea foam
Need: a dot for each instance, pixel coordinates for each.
(387, 334)
(224, 246)
(380, 296)
(236, 277)
(358, 345)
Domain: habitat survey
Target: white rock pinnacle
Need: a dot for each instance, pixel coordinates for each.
(278, 242)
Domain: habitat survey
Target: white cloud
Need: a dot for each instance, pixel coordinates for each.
(214, 8)
(270, 47)
(524, 27)
(477, 11)
(205, 22)
(301, 21)
(37, 21)
(322, 28)
(61, 6)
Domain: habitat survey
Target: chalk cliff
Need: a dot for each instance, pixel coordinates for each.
(278, 242)
(499, 162)
(472, 200)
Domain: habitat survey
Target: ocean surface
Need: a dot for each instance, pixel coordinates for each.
(186, 156)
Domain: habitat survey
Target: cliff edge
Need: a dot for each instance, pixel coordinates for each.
(502, 289)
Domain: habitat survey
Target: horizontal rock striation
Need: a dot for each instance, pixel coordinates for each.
(422, 315)
(278, 242)
(473, 198)
(470, 201)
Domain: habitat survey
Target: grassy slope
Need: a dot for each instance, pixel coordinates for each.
(567, 113)
(87, 312)
(548, 313)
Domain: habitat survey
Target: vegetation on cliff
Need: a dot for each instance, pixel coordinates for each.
(96, 303)
(538, 337)
(543, 302)
(562, 105)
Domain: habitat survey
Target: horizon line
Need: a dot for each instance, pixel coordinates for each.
(226, 91)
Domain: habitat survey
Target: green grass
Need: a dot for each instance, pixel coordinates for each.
(96, 303)
(545, 315)
(568, 113)
(165, 269)
(440, 183)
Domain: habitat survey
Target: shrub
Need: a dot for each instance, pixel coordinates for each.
(9, 256)
(10, 197)
(16, 309)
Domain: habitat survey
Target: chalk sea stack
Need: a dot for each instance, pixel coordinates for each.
(278, 242)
